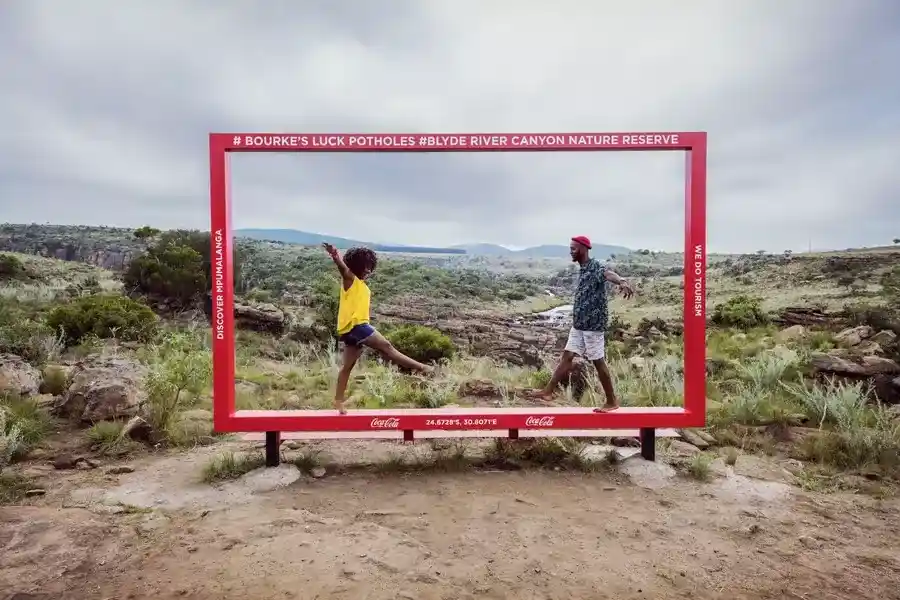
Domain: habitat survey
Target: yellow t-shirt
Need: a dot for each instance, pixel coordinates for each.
(354, 306)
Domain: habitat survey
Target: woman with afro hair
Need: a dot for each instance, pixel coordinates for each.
(353, 325)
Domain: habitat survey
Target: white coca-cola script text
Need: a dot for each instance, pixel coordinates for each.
(539, 421)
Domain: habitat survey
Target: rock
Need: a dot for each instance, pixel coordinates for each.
(854, 335)
(869, 366)
(705, 435)
(804, 315)
(885, 337)
(120, 470)
(887, 389)
(792, 333)
(868, 348)
(879, 365)
(655, 334)
(625, 442)
(106, 390)
(17, 376)
(137, 429)
(45, 401)
(693, 438)
(637, 362)
(680, 448)
(518, 341)
(317, 472)
(67, 461)
(261, 317)
(482, 388)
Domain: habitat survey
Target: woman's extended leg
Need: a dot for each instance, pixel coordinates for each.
(378, 342)
(348, 360)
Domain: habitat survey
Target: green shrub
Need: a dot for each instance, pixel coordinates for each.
(890, 285)
(423, 344)
(55, 380)
(741, 312)
(172, 273)
(103, 316)
(325, 299)
(180, 369)
(177, 268)
(11, 267)
(24, 336)
(23, 424)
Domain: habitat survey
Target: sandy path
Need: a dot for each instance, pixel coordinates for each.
(519, 535)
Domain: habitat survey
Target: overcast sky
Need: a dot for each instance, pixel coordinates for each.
(106, 106)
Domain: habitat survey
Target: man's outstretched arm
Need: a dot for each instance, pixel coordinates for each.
(616, 279)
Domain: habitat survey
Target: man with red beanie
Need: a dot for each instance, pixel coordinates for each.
(590, 313)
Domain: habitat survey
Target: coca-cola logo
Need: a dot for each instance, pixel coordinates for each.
(539, 421)
(391, 423)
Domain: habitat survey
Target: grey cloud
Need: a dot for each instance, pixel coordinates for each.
(109, 104)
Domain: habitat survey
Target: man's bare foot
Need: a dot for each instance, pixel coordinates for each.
(339, 406)
(608, 407)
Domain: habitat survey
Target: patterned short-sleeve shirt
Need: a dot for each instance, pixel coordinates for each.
(589, 307)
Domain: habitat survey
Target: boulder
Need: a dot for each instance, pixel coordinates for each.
(885, 337)
(854, 335)
(104, 390)
(883, 373)
(261, 317)
(18, 377)
(792, 333)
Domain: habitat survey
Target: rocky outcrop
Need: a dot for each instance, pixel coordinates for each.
(105, 247)
(481, 333)
(103, 389)
(262, 317)
(882, 373)
(18, 377)
(808, 317)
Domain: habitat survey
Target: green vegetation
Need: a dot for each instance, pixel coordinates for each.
(741, 312)
(11, 267)
(103, 316)
(764, 396)
(423, 344)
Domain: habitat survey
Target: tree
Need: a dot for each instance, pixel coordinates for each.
(146, 232)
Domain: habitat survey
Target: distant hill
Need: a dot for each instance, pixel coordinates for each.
(545, 251)
(485, 249)
(305, 238)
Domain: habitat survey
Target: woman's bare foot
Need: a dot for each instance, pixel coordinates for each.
(339, 406)
(608, 407)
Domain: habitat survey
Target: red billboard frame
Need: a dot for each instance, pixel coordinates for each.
(227, 419)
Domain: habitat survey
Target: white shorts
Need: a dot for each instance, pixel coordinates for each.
(588, 344)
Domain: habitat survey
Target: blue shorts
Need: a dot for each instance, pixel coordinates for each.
(357, 335)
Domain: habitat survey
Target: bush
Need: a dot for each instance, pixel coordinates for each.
(326, 298)
(423, 344)
(22, 335)
(177, 268)
(890, 284)
(11, 267)
(180, 369)
(741, 312)
(172, 273)
(103, 316)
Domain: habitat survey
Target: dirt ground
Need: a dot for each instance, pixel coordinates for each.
(635, 531)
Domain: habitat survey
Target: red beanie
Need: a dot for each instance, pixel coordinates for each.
(583, 240)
